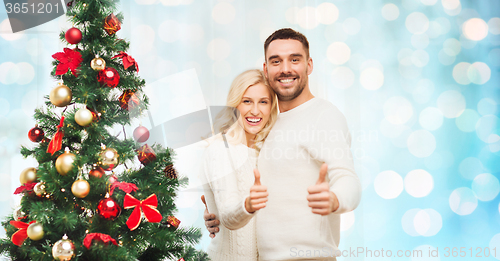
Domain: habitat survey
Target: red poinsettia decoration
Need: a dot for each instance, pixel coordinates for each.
(87, 241)
(127, 60)
(69, 59)
(127, 187)
(26, 187)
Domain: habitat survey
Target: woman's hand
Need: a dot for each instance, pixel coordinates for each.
(258, 195)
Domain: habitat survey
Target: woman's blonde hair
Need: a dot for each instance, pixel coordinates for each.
(227, 120)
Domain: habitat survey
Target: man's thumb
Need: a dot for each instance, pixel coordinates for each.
(257, 177)
(203, 200)
(322, 173)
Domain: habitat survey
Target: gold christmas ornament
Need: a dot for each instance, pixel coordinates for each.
(84, 117)
(98, 64)
(39, 189)
(64, 162)
(109, 159)
(61, 95)
(28, 175)
(35, 231)
(63, 249)
(80, 188)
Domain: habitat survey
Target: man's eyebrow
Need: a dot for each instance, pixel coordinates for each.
(273, 57)
(296, 55)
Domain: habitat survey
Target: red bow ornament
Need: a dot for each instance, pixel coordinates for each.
(146, 207)
(127, 60)
(98, 236)
(56, 143)
(21, 235)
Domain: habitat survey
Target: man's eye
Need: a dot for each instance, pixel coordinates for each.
(275, 62)
(295, 60)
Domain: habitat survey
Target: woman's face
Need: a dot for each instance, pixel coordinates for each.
(255, 108)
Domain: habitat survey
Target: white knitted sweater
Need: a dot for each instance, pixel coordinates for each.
(227, 177)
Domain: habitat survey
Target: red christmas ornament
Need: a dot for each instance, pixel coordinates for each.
(36, 134)
(112, 24)
(73, 35)
(69, 59)
(173, 222)
(146, 154)
(108, 209)
(109, 76)
(96, 172)
(141, 134)
(128, 100)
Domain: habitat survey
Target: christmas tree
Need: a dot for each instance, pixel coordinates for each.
(75, 204)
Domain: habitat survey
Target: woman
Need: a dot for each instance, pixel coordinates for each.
(229, 164)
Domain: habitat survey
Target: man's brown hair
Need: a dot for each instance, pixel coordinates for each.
(285, 34)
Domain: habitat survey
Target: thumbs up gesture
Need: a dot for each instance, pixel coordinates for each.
(258, 195)
(321, 199)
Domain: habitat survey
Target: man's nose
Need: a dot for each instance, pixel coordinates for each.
(286, 67)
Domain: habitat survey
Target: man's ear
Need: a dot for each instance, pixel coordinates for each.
(309, 66)
(264, 68)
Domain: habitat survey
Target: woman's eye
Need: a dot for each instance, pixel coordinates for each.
(246, 101)
(264, 102)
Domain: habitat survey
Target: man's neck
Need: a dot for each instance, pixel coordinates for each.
(305, 96)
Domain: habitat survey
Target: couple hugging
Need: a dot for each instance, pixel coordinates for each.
(278, 182)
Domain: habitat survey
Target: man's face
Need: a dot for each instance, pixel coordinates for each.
(287, 68)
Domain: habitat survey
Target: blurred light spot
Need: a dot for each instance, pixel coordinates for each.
(494, 143)
(436, 222)
(223, 13)
(218, 49)
(9, 73)
(420, 41)
(486, 106)
(4, 107)
(445, 24)
(494, 57)
(451, 46)
(431, 118)
(418, 183)
(307, 17)
(398, 110)
(428, 2)
(417, 23)
(328, 13)
(423, 91)
(169, 31)
(335, 33)
(221, 68)
(292, 14)
(390, 12)
(404, 56)
(347, 220)
(470, 167)
(485, 186)
(27, 71)
(422, 222)
(388, 184)
(479, 73)
(407, 222)
(435, 30)
(466, 122)
(421, 143)
(343, 77)
(487, 125)
(463, 201)
(450, 4)
(494, 25)
(6, 30)
(338, 53)
(372, 63)
(460, 73)
(451, 103)
(466, 42)
(445, 58)
(420, 58)
(351, 26)
(495, 242)
(475, 29)
(371, 78)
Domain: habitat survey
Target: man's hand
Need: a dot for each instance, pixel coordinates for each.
(258, 195)
(321, 199)
(211, 223)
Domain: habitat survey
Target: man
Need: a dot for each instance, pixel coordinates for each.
(305, 162)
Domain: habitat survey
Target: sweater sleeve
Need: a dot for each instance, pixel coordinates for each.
(223, 183)
(334, 149)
